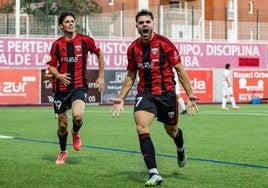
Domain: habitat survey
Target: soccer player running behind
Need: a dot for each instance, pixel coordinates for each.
(153, 57)
(68, 64)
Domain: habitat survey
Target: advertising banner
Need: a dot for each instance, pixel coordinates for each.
(94, 96)
(19, 86)
(24, 52)
(249, 84)
(215, 55)
(202, 85)
(34, 53)
(114, 81)
(46, 89)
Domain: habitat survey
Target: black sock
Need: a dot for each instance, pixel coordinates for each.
(76, 128)
(63, 141)
(179, 139)
(147, 150)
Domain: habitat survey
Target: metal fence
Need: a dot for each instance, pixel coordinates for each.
(176, 24)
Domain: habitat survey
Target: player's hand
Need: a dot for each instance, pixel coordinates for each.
(101, 84)
(117, 107)
(192, 106)
(65, 78)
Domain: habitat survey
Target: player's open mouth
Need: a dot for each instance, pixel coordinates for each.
(145, 31)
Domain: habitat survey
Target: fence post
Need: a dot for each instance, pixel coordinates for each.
(122, 21)
(225, 24)
(55, 26)
(257, 25)
(160, 19)
(158, 15)
(86, 18)
(17, 19)
(192, 23)
(8, 17)
(47, 17)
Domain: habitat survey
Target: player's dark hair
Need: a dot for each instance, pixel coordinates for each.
(63, 15)
(227, 66)
(144, 12)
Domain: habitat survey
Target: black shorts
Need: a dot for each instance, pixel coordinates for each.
(63, 100)
(164, 107)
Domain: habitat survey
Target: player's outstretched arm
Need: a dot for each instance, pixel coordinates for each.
(192, 106)
(117, 107)
(185, 82)
(119, 102)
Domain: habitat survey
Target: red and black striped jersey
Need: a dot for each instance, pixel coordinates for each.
(71, 57)
(154, 62)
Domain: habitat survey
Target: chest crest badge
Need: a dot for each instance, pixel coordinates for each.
(154, 51)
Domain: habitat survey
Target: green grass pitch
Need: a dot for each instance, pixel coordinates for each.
(224, 149)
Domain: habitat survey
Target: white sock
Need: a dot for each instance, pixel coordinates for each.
(182, 104)
(153, 170)
(233, 101)
(224, 101)
(181, 149)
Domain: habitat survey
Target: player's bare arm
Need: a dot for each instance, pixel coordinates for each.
(100, 79)
(119, 101)
(185, 82)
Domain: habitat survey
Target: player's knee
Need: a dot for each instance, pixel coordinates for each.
(78, 119)
(62, 128)
(172, 132)
(142, 129)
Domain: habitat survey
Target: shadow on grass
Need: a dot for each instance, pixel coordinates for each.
(141, 177)
(73, 160)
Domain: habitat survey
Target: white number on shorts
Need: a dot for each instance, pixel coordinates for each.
(139, 100)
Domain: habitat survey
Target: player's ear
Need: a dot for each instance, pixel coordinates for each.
(61, 26)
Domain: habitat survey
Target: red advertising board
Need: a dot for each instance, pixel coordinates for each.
(19, 86)
(202, 84)
(248, 84)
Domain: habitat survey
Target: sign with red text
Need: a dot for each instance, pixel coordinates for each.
(19, 86)
(248, 84)
(202, 85)
(34, 52)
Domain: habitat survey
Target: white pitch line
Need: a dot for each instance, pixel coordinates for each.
(3, 136)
